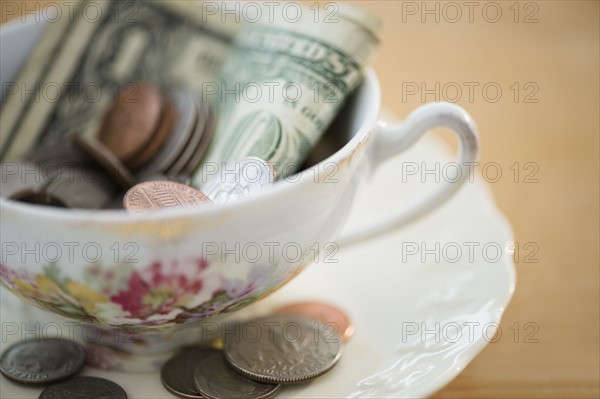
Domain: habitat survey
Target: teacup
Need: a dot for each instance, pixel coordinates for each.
(160, 274)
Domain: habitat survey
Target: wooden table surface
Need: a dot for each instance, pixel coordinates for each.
(544, 58)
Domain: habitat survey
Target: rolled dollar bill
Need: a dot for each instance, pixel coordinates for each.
(283, 83)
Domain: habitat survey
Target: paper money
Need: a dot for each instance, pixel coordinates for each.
(91, 51)
(283, 84)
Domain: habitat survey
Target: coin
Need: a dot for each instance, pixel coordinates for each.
(38, 198)
(129, 124)
(21, 177)
(194, 141)
(333, 317)
(84, 388)
(282, 349)
(42, 361)
(214, 379)
(59, 153)
(177, 374)
(185, 117)
(163, 132)
(162, 194)
(239, 179)
(86, 188)
(107, 160)
(207, 136)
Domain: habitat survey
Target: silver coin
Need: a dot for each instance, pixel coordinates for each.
(239, 179)
(84, 388)
(185, 110)
(177, 374)
(42, 361)
(195, 139)
(214, 379)
(282, 348)
(207, 136)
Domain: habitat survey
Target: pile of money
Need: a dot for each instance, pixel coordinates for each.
(185, 93)
(296, 344)
(142, 135)
(252, 360)
(55, 362)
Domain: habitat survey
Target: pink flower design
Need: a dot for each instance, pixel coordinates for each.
(166, 289)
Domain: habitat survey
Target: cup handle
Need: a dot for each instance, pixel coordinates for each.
(391, 140)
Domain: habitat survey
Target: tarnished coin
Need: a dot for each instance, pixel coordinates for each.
(333, 317)
(84, 388)
(162, 194)
(38, 198)
(177, 374)
(59, 153)
(86, 188)
(19, 178)
(214, 379)
(42, 361)
(130, 123)
(107, 160)
(239, 179)
(282, 348)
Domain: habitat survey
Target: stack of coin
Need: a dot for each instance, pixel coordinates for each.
(55, 362)
(151, 133)
(187, 140)
(260, 356)
(143, 133)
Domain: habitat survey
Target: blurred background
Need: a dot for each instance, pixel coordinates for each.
(528, 72)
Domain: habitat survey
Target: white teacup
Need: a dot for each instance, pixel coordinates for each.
(157, 273)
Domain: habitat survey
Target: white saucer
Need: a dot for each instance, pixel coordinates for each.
(396, 351)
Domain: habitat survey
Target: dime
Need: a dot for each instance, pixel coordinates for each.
(282, 348)
(177, 374)
(163, 132)
(130, 123)
(107, 160)
(333, 317)
(214, 379)
(42, 361)
(162, 194)
(84, 388)
(239, 179)
(185, 117)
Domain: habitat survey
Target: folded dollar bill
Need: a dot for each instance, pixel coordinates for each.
(285, 80)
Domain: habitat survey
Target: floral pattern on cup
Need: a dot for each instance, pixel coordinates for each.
(160, 294)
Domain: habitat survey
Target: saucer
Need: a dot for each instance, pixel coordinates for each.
(424, 300)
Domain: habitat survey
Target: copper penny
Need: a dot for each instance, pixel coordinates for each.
(107, 160)
(330, 315)
(162, 194)
(163, 131)
(130, 123)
